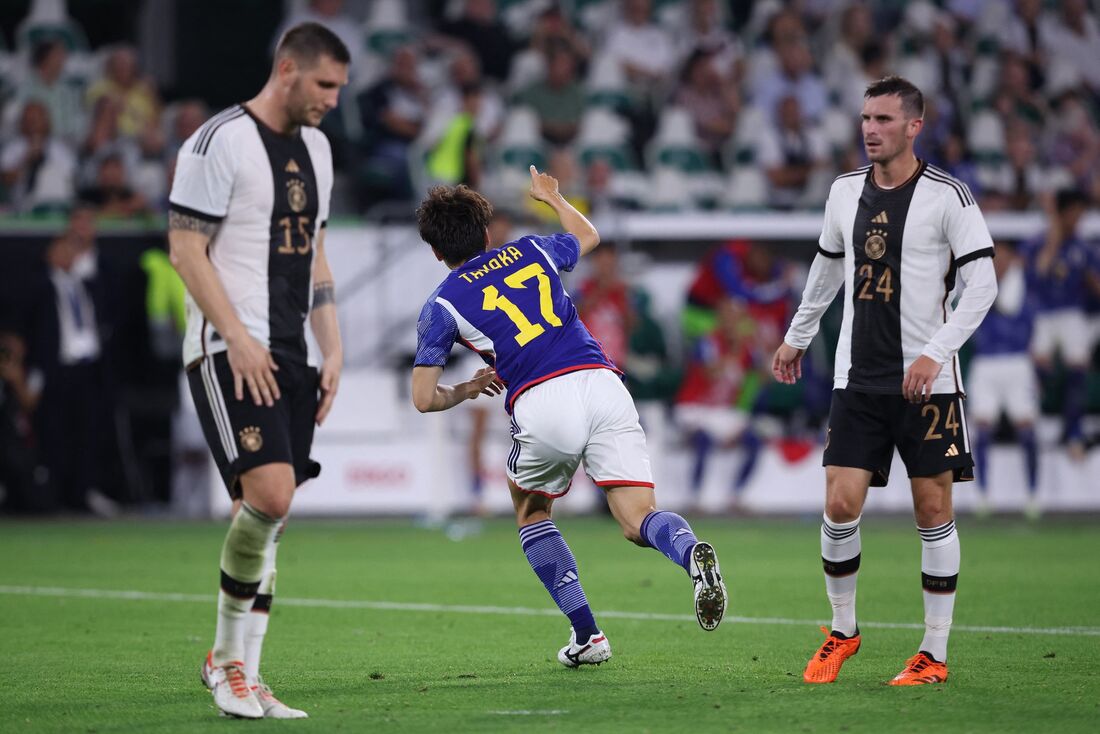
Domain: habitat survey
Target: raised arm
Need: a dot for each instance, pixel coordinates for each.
(544, 188)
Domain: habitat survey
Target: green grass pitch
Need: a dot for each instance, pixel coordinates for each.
(103, 663)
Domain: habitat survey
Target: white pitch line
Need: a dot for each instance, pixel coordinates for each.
(395, 606)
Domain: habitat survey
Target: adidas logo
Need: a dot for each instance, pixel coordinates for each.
(567, 579)
(881, 218)
(952, 451)
(680, 532)
(292, 167)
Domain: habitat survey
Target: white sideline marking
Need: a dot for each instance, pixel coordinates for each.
(514, 611)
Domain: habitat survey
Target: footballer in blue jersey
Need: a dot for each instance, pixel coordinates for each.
(1003, 377)
(566, 398)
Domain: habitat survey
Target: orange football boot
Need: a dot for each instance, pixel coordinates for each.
(920, 669)
(825, 664)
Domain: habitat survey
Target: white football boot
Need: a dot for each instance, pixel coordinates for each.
(592, 652)
(232, 694)
(710, 592)
(273, 707)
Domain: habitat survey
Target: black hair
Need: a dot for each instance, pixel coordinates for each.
(912, 101)
(43, 49)
(453, 220)
(307, 42)
(1066, 198)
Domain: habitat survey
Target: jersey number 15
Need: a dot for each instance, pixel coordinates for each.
(527, 330)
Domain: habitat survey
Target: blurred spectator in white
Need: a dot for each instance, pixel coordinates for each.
(1022, 181)
(392, 114)
(1073, 144)
(559, 99)
(37, 169)
(644, 50)
(480, 30)
(1072, 40)
(465, 73)
(705, 31)
(1023, 36)
(62, 94)
(135, 96)
(111, 194)
(712, 101)
(844, 64)
(793, 155)
(332, 15)
(793, 77)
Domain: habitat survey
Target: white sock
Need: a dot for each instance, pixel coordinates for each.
(242, 564)
(840, 553)
(940, 558)
(256, 625)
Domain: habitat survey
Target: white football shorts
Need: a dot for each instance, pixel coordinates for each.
(580, 416)
(1003, 382)
(1066, 330)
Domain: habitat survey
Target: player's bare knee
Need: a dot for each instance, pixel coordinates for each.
(842, 508)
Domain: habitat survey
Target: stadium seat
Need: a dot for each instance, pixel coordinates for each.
(746, 188)
(603, 134)
(606, 84)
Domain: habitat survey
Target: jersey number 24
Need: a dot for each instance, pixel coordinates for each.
(527, 330)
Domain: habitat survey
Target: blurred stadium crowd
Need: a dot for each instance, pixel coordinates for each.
(642, 104)
(667, 105)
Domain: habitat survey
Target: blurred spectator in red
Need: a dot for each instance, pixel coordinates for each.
(392, 114)
(62, 94)
(749, 273)
(559, 99)
(605, 305)
(480, 30)
(712, 102)
(793, 155)
(714, 404)
(36, 168)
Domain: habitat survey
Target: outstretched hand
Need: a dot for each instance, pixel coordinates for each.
(787, 364)
(544, 187)
(485, 382)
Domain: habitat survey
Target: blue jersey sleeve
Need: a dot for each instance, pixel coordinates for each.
(436, 333)
(564, 249)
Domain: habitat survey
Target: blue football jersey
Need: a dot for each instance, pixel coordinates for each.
(509, 305)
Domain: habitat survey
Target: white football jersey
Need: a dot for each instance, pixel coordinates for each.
(902, 250)
(270, 194)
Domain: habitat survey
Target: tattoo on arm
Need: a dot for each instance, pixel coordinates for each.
(176, 220)
(324, 293)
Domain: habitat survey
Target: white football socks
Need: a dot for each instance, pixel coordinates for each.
(840, 555)
(242, 565)
(256, 626)
(940, 559)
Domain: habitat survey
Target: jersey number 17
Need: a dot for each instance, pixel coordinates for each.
(527, 330)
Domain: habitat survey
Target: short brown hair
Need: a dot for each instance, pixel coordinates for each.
(912, 101)
(453, 220)
(307, 42)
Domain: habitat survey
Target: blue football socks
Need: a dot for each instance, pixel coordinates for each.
(555, 566)
(670, 534)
